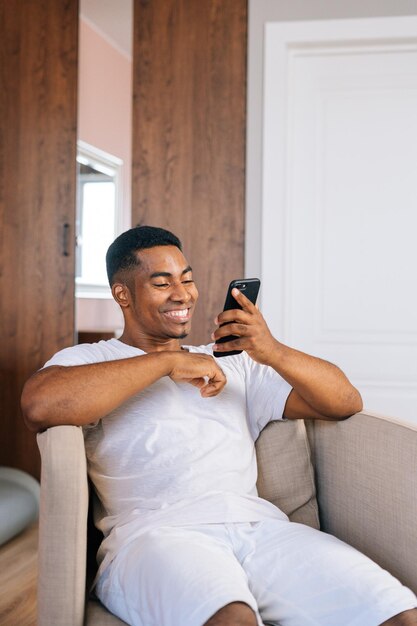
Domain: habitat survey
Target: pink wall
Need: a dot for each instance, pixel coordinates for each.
(105, 95)
(104, 121)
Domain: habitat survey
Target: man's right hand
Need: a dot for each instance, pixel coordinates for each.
(200, 370)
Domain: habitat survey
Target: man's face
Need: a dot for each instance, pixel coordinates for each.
(164, 294)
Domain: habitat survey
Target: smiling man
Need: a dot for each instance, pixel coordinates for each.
(169, 433)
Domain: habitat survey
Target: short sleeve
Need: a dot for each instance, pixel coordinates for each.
(266, 395)
(82, 354)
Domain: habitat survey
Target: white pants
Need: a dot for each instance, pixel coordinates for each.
(288, 573)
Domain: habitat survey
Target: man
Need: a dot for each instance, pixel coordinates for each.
(169, 434)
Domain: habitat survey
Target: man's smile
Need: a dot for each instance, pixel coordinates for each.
(181, 315)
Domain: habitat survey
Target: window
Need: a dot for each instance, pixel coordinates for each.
(98, 219)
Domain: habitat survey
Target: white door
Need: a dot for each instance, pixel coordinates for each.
(339, 208)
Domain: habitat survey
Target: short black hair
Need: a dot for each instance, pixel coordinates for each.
(121, 255)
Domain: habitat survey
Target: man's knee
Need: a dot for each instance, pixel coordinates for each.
(407, 618)
(233, 614)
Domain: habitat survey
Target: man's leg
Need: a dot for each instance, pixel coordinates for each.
(240, 614)
(175, 576)
(233, 614)
(407, 618)
(302, 576)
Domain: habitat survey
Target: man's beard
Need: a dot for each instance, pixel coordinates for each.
(182, 336)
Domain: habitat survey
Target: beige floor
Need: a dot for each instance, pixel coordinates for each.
(18, 574)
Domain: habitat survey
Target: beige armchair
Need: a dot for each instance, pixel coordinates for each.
(364, 470)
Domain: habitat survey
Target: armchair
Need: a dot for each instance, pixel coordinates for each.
(356, 478)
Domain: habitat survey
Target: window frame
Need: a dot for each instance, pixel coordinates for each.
(112, 166)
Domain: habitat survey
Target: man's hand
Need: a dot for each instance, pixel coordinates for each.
(320, 389)
(200, 370)
(249, 326)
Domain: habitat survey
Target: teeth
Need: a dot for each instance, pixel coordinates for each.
(179, 313)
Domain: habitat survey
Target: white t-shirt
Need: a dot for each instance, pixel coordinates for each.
(167, 456)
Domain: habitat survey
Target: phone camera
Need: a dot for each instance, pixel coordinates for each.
(242, 286)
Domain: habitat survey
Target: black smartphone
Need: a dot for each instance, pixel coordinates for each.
(250, 288)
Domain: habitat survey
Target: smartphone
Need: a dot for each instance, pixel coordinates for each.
(250, 288)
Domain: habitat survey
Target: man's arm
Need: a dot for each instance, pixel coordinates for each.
(82, 394)
(320, 389)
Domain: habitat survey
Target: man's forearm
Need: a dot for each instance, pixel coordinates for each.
(321, 389)
(321, 384)
(82, 394)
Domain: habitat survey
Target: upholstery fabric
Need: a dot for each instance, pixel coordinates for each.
(285, 471)
(62, 527)
(366, 471)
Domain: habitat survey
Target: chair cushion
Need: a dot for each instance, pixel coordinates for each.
(285, 471)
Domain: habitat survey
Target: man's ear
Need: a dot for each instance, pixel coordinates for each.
(121, 294)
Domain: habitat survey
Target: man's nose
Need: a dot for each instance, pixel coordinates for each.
(180, 293)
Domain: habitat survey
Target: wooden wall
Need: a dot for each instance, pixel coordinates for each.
(38, 105)
(189, 84)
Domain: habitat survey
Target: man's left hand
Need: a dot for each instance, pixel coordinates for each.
(250, 328)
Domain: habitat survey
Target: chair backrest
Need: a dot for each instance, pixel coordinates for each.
(285, 471)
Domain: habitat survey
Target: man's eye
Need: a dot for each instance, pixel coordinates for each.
(161, 285)
(187, 282)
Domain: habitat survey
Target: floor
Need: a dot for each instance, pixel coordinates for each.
(18, 575)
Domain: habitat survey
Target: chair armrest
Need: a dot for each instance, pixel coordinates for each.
(62, 527)
(366, 478)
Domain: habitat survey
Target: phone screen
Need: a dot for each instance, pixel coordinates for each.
(250, 288)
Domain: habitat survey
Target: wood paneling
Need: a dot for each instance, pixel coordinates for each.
(93, 336)
(38, 92)
(189, 84)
